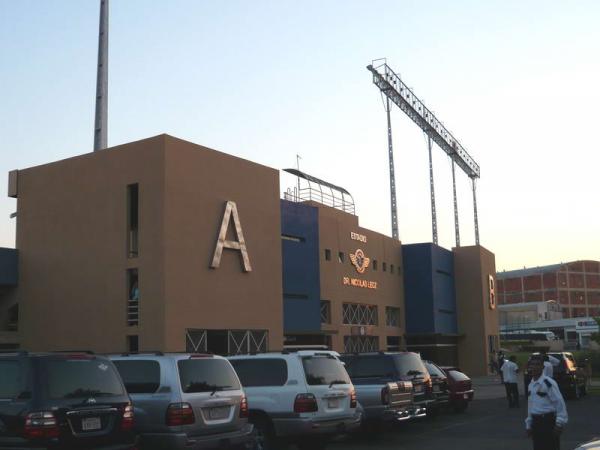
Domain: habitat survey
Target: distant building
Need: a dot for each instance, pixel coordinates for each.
(520, 313)
(575, 286)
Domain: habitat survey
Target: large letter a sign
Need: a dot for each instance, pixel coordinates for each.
(240, 244)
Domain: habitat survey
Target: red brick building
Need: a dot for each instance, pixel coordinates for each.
(574, 285)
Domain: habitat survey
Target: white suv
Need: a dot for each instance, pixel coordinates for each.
(304, 397)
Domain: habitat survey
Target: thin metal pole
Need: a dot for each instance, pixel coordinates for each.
(392, 175)
(475, 213)
(456, 228)
(298, 177)
(101, 120)
(432, 191)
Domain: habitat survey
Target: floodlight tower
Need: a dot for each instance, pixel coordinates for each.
(390, 84)
(101, 120)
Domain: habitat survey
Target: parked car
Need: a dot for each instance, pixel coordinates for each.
(186, 401)
(440, 389)
(303, 397)
(571, 378)
(63, 401)
(591, 445)
(396, 367)
(460, 388)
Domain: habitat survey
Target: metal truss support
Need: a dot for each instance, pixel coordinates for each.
(456, 228)
(392, 174)
(475, 213)
(101, 119)
(432, 191)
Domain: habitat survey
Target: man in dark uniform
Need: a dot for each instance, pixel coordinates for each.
(547, 413)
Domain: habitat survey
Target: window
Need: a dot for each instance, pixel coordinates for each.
(392, 316)
(434, 370)
(261, 371)
(139, 376)
(133, 344)
(391, 268)
(384, 267)
(356, 314)
(361, 344)
(376, 366)
(321, 370)
(325, 311)
(341, 257)
(409, 364)
(81, 378)
(393, 343)
(374, 264)
(11, 378)
(206, 374)
(132, 220)
(133, 298)
(327, 254)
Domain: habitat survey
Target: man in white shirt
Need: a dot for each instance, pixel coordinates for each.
(509, 375)
(546, 410)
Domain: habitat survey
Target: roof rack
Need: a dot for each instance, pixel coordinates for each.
(86, 352)
(148, 352)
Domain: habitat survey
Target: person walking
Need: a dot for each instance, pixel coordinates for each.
(509, 374)
(546, 410)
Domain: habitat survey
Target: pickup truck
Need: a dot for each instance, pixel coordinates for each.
(384, 401)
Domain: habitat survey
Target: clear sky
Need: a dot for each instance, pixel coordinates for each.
(517, 83)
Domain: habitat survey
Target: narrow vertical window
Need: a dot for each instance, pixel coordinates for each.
(327, 254)
(133, 298)
(133, 345)
(132, 220)
(341, 257)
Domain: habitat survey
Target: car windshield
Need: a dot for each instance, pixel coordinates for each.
(207, 375)
(79, 378)
(434, 370)
(458, 376)
(410, 365)
(322, 370)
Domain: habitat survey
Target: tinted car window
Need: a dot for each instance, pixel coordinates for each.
(433, 370)
(81, 378)
(458, 376)
(324, 370)
(371, 367)
(139, 376)
(10, 379)
(206, 375)
(261, 371)
(409, 365)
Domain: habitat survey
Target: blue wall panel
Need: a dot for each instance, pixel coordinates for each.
(301, 283)
(8, 267)
(429, 289)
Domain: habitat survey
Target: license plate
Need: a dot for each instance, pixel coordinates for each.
(466, 396)
(91, 423)
(333, 403)
(218, 413)
(418, 388)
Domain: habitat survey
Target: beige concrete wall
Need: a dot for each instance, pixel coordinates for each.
(199, 181)
(335, 229)
(476, 320)
(71, 236)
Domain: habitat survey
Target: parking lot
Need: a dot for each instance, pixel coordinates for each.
(487, 424)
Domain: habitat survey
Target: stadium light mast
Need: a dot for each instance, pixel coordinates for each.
(393, 204)
(390, 84)
(101, 119)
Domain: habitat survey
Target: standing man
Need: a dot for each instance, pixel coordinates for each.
(546, 410)
(509, 374)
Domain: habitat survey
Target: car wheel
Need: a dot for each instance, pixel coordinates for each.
(264, 435)
(460, 407)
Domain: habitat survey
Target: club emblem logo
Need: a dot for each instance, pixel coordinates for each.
(359, 260)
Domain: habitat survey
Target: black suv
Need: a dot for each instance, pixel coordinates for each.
(63, 401)
(394, 367)
(571, 378)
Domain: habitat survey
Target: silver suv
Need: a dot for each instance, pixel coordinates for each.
(303, 397)
(186, 401)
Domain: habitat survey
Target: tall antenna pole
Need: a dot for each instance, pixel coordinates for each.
(456, 229)
(101, 120)
(392, 175)
(475, 213)
(432, 191)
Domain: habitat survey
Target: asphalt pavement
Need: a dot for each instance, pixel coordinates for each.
(487, 424)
